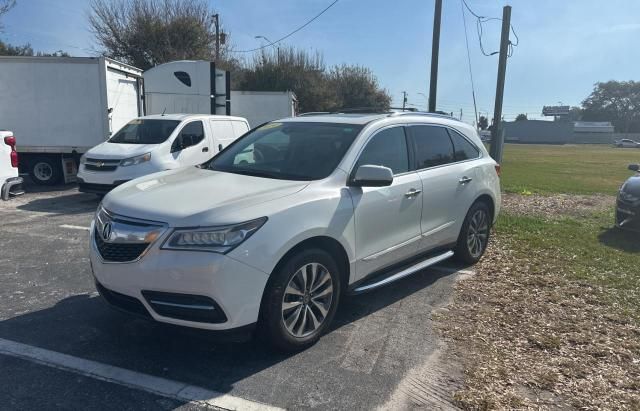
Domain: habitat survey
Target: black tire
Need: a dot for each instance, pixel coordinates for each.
(272, 323)
(45, 171)
(466, 250)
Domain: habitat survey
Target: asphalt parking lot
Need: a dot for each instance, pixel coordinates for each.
(61, 346)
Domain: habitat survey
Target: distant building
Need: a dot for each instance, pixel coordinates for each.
(559, 132)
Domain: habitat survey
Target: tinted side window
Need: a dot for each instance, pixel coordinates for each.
(433, 146)
(387, 148)
(463, 149)
(190, 135)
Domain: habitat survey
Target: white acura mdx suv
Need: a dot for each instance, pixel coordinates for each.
(293, 217)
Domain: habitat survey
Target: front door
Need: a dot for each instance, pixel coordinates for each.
(190, 146)
(387, 218)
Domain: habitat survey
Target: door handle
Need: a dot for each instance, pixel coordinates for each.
(205, 149)
(465, 180)
(411, 193)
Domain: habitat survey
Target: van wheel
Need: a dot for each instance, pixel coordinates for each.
(301, 300)
(474, 235)
(45, 171)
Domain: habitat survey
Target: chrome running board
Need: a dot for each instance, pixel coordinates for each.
(406, 272)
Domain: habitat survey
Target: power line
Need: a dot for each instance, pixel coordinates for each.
(466, 39)
(483, 19)
(290, 34)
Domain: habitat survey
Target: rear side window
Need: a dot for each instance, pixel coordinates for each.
(463, 149)
(433, 146)
(388, 148)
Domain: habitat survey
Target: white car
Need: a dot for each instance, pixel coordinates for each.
(10, 182)
(325, 207)
(156, 143)
(626, 143)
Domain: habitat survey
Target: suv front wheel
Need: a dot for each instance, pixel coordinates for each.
(474, 235)
(301, 300)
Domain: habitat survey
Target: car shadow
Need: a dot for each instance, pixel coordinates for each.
(623, 240)
(64, 204)
(84, 326)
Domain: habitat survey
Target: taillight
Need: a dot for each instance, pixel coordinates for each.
(498, 171)
(11, 141)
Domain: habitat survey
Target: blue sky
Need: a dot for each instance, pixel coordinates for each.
(565, 46)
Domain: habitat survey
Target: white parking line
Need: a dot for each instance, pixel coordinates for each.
(155, 385)
(75, 227)
(451, 270)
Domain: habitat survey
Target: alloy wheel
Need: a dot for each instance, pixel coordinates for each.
(307, 299)
(478, 233)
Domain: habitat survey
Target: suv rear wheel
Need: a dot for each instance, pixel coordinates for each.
(474, 235)
(301, 300)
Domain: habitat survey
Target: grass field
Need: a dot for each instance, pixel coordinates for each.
(551, 319)
(579, 169)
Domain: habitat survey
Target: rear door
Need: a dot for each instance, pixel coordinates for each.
(448, 181)
(122, 99)
(190, 146)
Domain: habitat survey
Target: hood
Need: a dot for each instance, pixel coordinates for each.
(194, 197)
(108, 151)
(632, 186)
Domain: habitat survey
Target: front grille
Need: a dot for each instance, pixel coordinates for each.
(118, 252)
(93, 167)
(123, 302)
(96, 164)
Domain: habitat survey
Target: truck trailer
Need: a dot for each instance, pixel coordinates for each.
(60, 107)
(198, 87)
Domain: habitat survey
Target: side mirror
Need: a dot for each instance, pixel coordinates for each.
(634, 167)
(372, 176)
(179, 144)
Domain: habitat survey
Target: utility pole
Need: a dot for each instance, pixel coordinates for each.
(497, 135)
(435, 50)
(216, 21)
(404, 100)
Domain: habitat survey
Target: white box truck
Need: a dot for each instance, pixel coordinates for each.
(60, 107)
(197, 87)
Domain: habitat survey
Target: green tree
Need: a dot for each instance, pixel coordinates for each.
(145, 33)
(521, 117)
(356, 86)
(26, 50)
(614, 101)
(5, 6)
(317, 88)
(483, 122)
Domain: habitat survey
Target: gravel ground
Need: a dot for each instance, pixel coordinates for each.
(557, 205)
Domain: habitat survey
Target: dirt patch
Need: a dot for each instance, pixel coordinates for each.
(557, 205)
(531, 337)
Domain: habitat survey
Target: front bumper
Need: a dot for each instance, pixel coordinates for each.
(93, 188)
(179, 287)
(12, 187)
(627, 215)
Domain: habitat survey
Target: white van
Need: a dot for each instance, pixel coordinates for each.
(156, 143)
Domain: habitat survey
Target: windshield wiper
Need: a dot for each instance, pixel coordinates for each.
(259, 173)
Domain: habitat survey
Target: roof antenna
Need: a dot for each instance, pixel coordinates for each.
(163, 111)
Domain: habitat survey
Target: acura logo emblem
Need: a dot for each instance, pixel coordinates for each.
(106, 231)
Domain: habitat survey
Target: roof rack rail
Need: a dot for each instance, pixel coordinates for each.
(313, 113)
(426, 114)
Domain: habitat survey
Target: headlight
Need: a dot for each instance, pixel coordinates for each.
(83, 159)
(215, 239)
(136, 160)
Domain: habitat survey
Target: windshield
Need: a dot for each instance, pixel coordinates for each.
(288, 151)
(145, 131)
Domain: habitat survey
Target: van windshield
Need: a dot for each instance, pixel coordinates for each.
(145, 131)
(288, 151)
